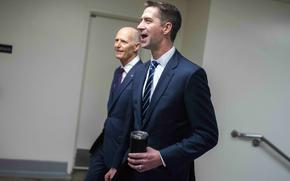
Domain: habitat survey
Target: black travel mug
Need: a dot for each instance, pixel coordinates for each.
(138, 141)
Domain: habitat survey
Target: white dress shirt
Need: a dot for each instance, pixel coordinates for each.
(162, 62)
(128, 67)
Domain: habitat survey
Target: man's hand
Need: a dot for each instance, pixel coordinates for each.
(110, 174)
(144, 161)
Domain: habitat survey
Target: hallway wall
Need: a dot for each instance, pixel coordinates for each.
(247, 60)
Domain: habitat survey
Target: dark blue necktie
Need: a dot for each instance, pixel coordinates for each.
(148, 88)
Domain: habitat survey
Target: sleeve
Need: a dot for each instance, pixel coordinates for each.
(123, 148)
(201, 115)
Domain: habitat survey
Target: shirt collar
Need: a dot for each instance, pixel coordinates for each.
(129, 65)
(164, 59)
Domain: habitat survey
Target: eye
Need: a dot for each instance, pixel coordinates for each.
(123, 41)
(148, 20)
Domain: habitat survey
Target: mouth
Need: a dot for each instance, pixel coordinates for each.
(118, 51)
(143, 36)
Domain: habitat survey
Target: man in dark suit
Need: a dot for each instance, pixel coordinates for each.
(179, 118)
(126, 48)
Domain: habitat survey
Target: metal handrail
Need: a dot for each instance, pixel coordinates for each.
(257, 139)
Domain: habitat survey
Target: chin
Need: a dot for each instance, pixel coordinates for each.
(144, 45)
(118, 57)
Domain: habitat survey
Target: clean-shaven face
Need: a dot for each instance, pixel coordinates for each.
(150, 27)
(125, 46)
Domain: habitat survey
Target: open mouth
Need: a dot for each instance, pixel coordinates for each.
(143, 36)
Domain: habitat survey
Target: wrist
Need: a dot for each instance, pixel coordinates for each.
(161, 159)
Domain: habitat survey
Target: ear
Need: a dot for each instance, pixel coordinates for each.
(137, 46)
(167, 28)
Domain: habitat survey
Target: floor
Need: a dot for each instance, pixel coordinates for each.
(77, 175)
(81, 163)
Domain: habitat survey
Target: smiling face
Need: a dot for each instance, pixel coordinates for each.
(126, 44)
(150, 28)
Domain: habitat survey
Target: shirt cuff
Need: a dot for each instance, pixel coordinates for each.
(163, 163)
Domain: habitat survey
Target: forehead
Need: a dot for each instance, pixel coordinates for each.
(151, 12)
(124, 34)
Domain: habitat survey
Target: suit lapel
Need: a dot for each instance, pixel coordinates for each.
(162, 85)
(137, 94)
(116, 94)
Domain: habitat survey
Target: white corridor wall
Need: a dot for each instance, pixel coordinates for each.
(247, 57)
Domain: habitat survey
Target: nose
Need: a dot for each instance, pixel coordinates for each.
(140, 26)
(117, 44)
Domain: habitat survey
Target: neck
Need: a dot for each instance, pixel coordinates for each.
(125, 62)
(161, 49)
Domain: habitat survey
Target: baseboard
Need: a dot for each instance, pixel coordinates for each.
(33, 169)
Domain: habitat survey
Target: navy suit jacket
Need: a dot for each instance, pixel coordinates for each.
(111, 135)
(180, 119)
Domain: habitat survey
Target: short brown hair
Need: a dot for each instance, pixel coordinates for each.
(168, 13)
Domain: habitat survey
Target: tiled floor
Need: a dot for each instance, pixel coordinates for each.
(76, 176)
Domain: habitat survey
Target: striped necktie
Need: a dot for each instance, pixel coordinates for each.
(148, 87)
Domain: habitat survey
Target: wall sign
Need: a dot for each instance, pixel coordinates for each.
(5, 48)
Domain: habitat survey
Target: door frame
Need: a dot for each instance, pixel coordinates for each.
(92, 14)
